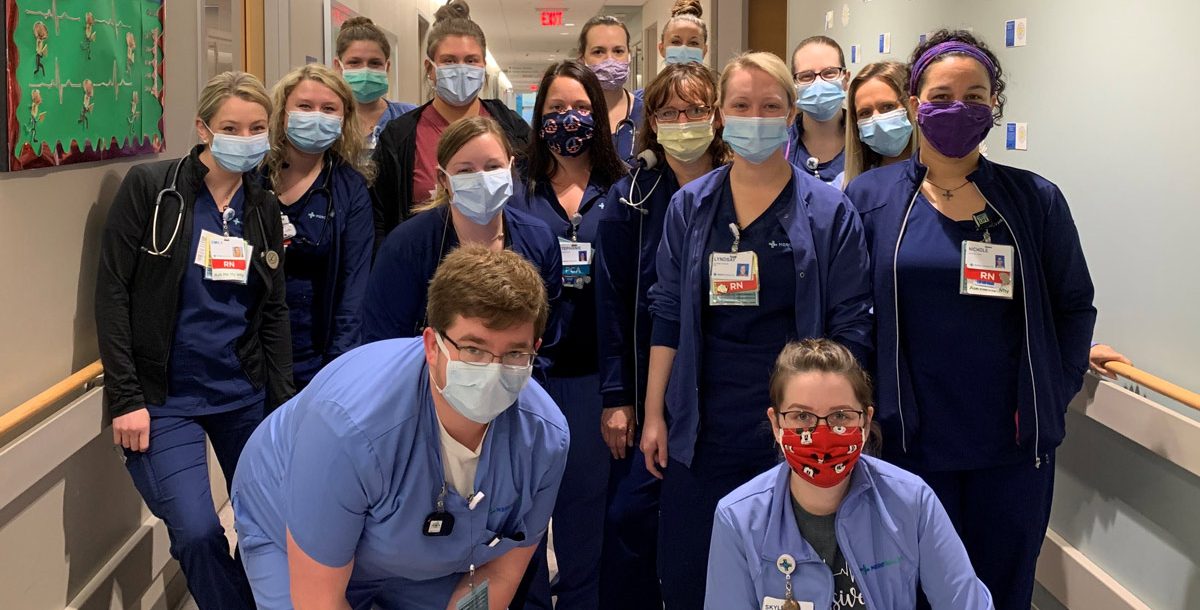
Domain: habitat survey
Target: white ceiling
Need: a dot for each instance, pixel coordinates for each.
(521, 45)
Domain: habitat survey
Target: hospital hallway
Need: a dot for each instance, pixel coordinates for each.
(997, 269)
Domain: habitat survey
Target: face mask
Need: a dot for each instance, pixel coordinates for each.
(755, 139)
(481, 195)
(821, 99)
(568, 133)
(238, 154)
(887, 133)
(480, 392)
(683, 55)
(954, 128)
(685, 141)
(822, 456)
(458, 84)
(367, 84)
(612, 73)
(313, 132)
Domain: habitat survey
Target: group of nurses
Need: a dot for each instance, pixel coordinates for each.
(412, 473)
(406, 156)
(817, 138)
(993, 252)
(364, 60)
(752, 255)
(683, 133)
(317, 170)
(193, 324)
(571, 166)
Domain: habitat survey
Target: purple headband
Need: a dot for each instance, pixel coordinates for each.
(942, 48)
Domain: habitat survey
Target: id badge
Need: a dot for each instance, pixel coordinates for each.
(477, 599)
(228, 259)
(576, 262)
(733, 278)
(987, 270)
(774, 603)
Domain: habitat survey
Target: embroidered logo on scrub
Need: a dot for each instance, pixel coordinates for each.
(879, 566)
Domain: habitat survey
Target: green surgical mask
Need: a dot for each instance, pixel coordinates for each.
(367, 84)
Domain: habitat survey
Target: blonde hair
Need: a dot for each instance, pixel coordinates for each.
(500, 288)
(859, 157)
(348, 147)
(230, 84)
(456, 136)
(689, 11)
(768, 63)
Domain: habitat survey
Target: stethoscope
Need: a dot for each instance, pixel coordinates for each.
(329, 209)
(628, 122)
(169, 191)
(646, 160)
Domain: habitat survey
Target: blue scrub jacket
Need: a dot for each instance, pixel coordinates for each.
(626, 244)
(890, 527)
(833, 295)
(1056, 286)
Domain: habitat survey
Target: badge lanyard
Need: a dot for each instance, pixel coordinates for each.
(576, 257)
(787, 564)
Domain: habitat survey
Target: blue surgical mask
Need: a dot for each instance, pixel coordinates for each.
(682, 55)
(888, 133)
(313, 132)
(755, 139)
(821, 99)
(238, 154)
(480, 392)
(459, 84)
(481, 195)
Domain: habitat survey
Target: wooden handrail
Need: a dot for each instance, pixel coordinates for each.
(1154, 382)
(47, 399)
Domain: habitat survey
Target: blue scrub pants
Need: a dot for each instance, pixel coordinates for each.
(172, 478)
(628, 567)
(689, 499)
(580, 507)
(1001, 514)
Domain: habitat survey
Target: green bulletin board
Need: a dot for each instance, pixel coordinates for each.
(85, 81)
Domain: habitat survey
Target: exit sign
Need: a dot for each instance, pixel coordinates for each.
(552, 18)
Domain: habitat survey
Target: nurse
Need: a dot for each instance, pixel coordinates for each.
(979, 274)
(683, 132)
(412, 473)
(685, 36)
(604, 47)
(753, 255)
(571, 168)
(472, 206)
(831, 527)
(195, 342)
(882, 132)
(455, 54)
(363, 59)
(817, 139)
(317, 170)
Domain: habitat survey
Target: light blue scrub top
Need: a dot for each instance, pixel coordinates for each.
(352, 465)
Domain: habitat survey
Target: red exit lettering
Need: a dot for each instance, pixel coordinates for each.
(552, 18)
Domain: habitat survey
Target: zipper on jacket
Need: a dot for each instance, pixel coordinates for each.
(896, 312)
(1037, 459)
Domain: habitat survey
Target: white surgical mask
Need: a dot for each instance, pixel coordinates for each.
(480, 392)
(481, 195)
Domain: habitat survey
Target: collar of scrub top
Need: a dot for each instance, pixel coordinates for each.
(799, 129)
(591, 192)
(327, 172)
(781, 532)
(985, 173)
(181, 184)
(444, 491)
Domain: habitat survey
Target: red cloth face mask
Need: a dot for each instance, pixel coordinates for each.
(822, 456)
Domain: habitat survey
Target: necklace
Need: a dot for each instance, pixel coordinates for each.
(947, 193)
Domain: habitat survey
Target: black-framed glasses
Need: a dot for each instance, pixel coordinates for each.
(807, 420)
(831, 74)
(482, 357)
(694, 113)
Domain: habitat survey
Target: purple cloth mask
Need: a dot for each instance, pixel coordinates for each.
(611, 73)
(954, 128)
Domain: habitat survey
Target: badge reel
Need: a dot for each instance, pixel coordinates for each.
(439, 522)
(987, 268)
(733, 276)
(787, 565)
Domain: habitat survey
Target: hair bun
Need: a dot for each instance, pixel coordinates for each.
(687, 7)
(454, 9)
(357, 21)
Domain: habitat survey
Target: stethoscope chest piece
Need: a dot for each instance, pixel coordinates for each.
(272, 258)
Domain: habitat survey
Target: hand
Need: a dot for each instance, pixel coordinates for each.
(654, 445)
(616, 426)
(1101, 354)
(132, 430)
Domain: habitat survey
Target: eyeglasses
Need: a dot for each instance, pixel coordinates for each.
(695, 113)
(482, 357)
(807, 420)
(830, 74)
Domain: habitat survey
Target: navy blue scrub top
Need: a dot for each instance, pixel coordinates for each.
(625, 137)
(798, 155)
(576, 353)
(204, 374)
(963, 351)
(305, 269)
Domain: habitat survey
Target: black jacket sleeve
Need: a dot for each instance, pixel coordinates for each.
(275, 332)
(385, 191)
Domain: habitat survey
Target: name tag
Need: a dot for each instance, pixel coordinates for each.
(774, 603)
(228, 259)
(733, 278)
(987, 270)
(576, 262)
(477, 599)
